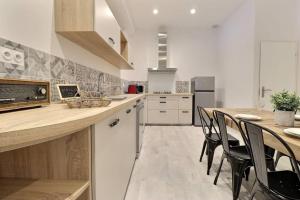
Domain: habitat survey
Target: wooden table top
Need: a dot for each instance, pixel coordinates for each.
(268, 122)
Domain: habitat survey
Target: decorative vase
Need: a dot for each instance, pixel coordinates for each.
(284, 118)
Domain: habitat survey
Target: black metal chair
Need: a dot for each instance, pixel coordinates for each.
(238, 156)
(277, 185)
(279, 155)
(212, 137)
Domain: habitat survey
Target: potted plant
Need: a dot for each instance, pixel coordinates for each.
(286, 105)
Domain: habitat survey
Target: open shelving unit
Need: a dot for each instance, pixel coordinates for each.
(16, 189)
(94, 43)
(57, 169)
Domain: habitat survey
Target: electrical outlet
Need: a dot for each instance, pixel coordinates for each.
(12, 57)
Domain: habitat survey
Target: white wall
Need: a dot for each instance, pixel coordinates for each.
(276, 20)
(239, 46)
(193, 52)
(143, 53)
(31, 23)
(236, 58)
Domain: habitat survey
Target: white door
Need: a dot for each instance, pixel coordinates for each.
(278, 69)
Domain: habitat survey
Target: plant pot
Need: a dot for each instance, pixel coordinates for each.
(284, 118)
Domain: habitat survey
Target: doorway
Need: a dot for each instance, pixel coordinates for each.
(278, 70)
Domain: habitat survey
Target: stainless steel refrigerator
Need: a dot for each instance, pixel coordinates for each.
(203, 89)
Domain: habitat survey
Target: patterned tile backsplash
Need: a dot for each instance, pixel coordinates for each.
(43, 66)
(182, 86)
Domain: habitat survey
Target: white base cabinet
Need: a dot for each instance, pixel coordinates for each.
(114, 154)
(169, 109)
(163, 116)
(185, 116)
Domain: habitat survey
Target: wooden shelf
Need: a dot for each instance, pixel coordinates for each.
(93, 42)
(124, 46)
(27, 189)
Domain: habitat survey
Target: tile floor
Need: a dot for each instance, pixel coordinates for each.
(168, 168)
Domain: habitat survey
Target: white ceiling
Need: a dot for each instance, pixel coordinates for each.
(176, 13)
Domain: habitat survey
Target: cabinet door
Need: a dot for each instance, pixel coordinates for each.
(163, 116)
(185, 116)
(106, 24)
(185, 102)
(114, 155)
(163, 104)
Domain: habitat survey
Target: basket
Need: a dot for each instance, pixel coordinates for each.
(87, 102)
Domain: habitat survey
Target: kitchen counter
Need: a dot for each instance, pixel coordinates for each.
(29, 127)
(172, 94)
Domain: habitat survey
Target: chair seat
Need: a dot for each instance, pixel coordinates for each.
(285, 183)
(240, 152)
(232, 140)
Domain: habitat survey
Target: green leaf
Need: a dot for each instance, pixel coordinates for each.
(285, 101)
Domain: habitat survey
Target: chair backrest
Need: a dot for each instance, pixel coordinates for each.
(207, 122)
(221, 121)
(257, 149)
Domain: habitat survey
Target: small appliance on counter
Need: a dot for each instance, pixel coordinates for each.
(135, 89)
(19, 94)
(140, 89)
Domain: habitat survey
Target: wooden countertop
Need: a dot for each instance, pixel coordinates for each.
(268, 122)
(28, 127)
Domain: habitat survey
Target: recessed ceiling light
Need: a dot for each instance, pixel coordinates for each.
(193, 11)
(155, 11)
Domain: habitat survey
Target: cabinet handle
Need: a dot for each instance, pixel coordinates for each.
(138, 101)
(162, 102)
(163, 111)
(163, 97)
(185, 111)
(128, 111)
(7, 100)
(112, 40)
(134, 106)
(114, 123)
(185, 97)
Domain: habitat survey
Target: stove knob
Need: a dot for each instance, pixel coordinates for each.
(42, 91)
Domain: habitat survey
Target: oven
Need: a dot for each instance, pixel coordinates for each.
(140, 126)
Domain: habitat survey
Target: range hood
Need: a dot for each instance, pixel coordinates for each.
(162, 55)
(163, 70)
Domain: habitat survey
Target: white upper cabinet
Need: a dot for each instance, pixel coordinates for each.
(106, 24)
(91, 25)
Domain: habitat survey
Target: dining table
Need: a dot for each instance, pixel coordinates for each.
(267, 121)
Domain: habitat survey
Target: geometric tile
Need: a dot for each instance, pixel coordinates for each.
(182, 86)
(12, 70)
(38, 64)
(62, 69)
(54, 92)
